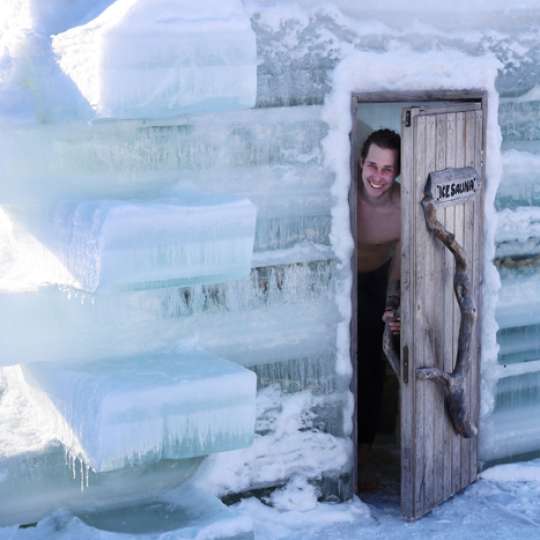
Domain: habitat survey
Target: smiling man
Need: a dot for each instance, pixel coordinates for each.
(378, 248)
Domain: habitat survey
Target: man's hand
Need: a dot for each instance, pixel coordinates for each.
(393, 319)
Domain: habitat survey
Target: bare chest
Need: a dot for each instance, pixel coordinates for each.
(378, 225)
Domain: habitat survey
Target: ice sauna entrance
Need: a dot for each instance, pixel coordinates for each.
(442, 154)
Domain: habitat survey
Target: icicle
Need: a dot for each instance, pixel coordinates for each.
(82, 475)
(87, 474)
(73, 469)
(74, 462)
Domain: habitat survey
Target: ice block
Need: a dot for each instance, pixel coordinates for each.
(510, 433)
(118, 245)
(185, 513)
(34, 484)
(138, 59)
(518, 232)
(112, 413)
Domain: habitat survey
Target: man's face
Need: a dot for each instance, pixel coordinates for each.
(378, 170)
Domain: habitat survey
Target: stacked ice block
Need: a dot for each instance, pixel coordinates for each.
(512, 428)
(136, 60)
(134, 410)
(118, 245)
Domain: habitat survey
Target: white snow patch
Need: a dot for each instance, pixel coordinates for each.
(274, 524)
(297, 495)
(526, 471)
(48, 17)
(32, 87)
(291, 448)
(25, 262)
(23, 427)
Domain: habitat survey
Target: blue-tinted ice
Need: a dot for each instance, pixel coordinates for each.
(143, 409)
(136, 60)
(188, 511)
(139, 245)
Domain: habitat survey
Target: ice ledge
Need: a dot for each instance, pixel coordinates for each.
(113, 413)
(122, 245)
(137, 59)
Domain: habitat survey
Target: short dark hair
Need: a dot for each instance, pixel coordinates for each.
(383, 138)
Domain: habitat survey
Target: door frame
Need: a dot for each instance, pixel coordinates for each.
(476, 95)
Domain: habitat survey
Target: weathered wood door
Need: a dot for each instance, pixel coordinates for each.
(436, 461)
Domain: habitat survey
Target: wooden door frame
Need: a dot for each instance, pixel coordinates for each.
(358, 98)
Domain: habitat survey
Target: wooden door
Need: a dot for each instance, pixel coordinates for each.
(436, 461)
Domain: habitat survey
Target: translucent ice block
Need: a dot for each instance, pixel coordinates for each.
(127, 158)
(510, 432)
(518, 232)
(512, 428)
(49, 326)
(519, 344)
(36, 478)
(187, 512)
(33, 484)
(518, 316)
(138, 59)
(518, 118)
(138, 245)
(520, 185)
(142, 409)
(518, 303)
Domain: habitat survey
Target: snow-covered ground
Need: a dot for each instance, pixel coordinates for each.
(503, 504)
(494, 508)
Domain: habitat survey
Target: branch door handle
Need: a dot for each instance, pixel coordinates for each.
(453, 384)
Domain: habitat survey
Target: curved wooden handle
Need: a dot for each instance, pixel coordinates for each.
(453, 384)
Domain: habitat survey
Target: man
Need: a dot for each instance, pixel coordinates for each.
(378, 248)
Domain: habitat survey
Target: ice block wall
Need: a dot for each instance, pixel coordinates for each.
(146, 142)
(510, 430)
(279, 320)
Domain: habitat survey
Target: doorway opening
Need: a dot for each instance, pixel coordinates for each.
(407, 454)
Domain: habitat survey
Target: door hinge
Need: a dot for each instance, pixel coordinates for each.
(405, 365)
(408, 118)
